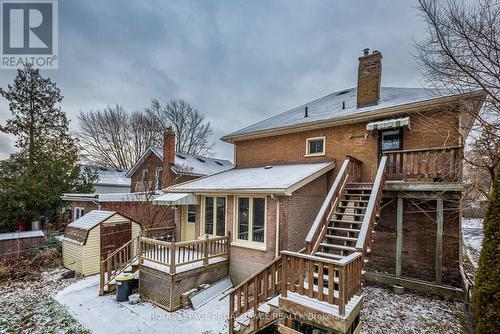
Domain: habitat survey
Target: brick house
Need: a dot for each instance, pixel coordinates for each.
(367, 177)
(146, 178)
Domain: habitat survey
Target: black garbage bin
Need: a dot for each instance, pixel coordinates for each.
(124, 286)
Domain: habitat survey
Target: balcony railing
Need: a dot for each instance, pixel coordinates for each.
(437, 164)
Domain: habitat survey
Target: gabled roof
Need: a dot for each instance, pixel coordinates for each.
(341, 105)
(276, 179)
(186, 164)
(91, 219)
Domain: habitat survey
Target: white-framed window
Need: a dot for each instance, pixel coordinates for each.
(315, 146)
(251, 219)
(159, 178)
(214, 215)
(191, 214)
(79, 212)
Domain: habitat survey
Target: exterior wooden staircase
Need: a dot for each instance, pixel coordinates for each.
(123, 259)
(320, 285)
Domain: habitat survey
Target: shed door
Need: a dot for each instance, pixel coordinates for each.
(114, 235)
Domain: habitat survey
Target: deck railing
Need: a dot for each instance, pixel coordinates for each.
(176, 254)
(430, 164)
(116, 262)
(349, 172)
(302, 274)
(363, 244)
(159, 232)
(255, 290)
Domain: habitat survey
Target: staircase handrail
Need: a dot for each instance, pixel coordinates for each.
(103, 281)
(372, 209)
(350, 167)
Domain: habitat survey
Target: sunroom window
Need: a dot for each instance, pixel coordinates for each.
(251, 219)
(215, 216)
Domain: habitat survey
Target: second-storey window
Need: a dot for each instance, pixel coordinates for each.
(315, 146)
(215, 216)
(159, 177)
(145, 175)
(251, 219)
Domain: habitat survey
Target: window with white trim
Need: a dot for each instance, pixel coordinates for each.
(159, 178)
(315, 146)
(251, 219)
(214, 216)
(79, 212)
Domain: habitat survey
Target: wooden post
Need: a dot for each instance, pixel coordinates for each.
(228, 245)
(205, 250)
(284, 275)
(399, 236)
(101, 278)
(439, 240)
(231, 313)
(172, 258)
(342, 290)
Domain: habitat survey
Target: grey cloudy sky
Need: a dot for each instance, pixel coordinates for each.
(236, 61)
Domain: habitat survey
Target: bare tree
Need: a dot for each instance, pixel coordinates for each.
(191, 129)
(114, 138)
(462, 54)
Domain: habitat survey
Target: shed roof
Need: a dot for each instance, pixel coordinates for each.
(91, 219)
(341, 105)
(282, 179)
(21, 235)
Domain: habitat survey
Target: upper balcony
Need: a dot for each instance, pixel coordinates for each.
(436, 164)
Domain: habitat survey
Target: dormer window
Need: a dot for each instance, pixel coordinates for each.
(315, 146)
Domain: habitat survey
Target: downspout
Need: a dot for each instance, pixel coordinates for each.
(277, 246)
(96, 202)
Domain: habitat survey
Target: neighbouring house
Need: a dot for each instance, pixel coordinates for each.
(109, 181)
(14, 244)
(93, 237)
(364, 183)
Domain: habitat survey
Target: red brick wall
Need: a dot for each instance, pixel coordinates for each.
(369, 76)
(151, 164)
(146, 214)
(299, 211)
(418, 255)
(428, 129)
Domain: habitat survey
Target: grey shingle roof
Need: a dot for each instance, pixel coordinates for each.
(91, 219)
(330, 108)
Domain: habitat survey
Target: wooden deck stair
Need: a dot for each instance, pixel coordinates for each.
(324, 279)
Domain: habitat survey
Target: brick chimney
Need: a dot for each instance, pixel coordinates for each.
(168, 156)
(369, 75)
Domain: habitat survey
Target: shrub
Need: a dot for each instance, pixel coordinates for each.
(486, 298)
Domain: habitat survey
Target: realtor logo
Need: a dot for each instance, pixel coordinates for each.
(29, 34)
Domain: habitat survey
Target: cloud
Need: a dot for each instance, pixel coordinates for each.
(236, 61)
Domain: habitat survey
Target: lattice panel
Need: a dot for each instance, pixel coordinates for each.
(156, 287)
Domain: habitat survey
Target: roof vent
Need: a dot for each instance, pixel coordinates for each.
(180, 156)
(343, 92)
(219, 163)
(269, 166)
(200, 159)
(306, 112)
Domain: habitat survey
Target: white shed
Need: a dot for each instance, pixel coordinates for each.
(93, 236)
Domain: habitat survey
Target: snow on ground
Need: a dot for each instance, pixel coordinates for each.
(472, 233)
(29, 307)
(410, 313)
(103, 314)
